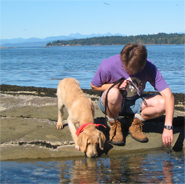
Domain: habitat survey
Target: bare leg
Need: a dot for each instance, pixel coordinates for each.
(114, 102)
(155, 108)
(114, 106)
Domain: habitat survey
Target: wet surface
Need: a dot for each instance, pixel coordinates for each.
(160, 166)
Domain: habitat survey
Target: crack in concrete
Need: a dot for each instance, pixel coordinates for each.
(40, 143)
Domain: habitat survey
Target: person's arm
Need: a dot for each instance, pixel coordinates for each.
(121, 86)
(102, 88)
(169, 107)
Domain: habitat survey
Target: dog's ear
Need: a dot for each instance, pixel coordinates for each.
(82, 141)
(102, 140)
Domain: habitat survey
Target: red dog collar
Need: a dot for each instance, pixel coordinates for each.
(81, 128)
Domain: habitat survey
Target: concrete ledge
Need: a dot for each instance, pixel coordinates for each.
(28, 130)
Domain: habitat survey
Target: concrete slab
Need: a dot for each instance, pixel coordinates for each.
(28, 130)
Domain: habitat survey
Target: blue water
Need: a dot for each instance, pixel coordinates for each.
(45, 66)
(152, 167)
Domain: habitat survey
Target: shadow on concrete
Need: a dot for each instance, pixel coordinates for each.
(150, 126)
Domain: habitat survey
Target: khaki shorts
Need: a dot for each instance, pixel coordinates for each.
(129, 107)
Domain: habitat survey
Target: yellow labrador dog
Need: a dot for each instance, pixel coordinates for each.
(81, 114)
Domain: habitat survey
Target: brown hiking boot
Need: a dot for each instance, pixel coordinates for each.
(135, 130)
(115, 133)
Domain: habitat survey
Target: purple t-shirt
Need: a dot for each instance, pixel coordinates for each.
(112, 69)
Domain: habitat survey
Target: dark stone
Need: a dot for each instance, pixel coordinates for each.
(51, 92)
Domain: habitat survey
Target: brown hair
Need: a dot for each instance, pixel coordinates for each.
(133, 57)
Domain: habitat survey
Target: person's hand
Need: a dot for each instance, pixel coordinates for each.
(123, 85)
(167, 137)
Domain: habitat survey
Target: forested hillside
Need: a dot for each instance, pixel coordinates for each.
(160, 38)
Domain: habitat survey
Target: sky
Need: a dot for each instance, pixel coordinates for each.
(45, 18)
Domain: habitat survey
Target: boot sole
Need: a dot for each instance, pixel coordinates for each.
(117, 143)
(139, 140)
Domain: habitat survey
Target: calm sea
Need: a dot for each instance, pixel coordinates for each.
(45, 66)
(148, 167)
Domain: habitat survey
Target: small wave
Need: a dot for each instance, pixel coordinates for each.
(56, 78)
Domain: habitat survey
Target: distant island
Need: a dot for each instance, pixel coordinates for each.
(160, 38)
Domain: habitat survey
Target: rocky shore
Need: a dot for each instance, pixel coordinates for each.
(28, 120)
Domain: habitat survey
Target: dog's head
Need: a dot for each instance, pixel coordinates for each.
(89, 141)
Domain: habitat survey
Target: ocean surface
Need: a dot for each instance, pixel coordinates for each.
(150, 167)
(46, 66)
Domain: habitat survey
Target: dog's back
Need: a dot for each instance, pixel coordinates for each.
(67, 91)
(79, 106)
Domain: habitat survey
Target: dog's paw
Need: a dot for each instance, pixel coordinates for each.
(77, 148)
(59, 126)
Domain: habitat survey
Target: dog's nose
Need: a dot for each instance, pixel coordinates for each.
(93, 156)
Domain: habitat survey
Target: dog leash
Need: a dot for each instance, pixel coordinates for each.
(123, 92)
